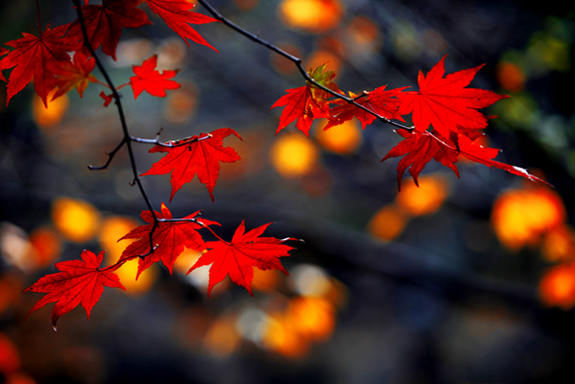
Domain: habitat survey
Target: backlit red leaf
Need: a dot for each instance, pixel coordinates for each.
(445, 103)
(178, 16)
(420, 147)
(76, 74)
(30, 57)
(104, 23)
(202, 156)
(79, 282)
(307, 103)
(152, 81)
(238, 257)
(169, 239)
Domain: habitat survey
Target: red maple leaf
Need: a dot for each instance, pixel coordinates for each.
(202, 156)
(104, 23)
(30, 58)
(152, 81)
(420, 147)
(76, 74)
(307, 103)
(384, 103)
(169, 238)
(445, 103)
(79, 282)
(238, 257)
(178, 16)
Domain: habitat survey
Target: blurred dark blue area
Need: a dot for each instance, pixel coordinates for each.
(443, 301)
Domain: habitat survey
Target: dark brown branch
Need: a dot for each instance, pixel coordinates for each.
(127, 138)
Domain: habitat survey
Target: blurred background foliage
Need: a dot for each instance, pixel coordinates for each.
(457, 281)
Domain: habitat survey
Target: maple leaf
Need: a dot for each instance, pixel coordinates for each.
(79, 282)
(420, 147)
(76, 74)
(384, 103)
(445, 103)
(307, 103)
(104, 23)
(30, 57)
(169, 238)
(178, 16)
(202, 156)
(238, 257)
(152, 81)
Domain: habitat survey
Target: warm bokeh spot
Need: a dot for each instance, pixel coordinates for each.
(9, 357)
(246, 5)
(521, 216)
(222, 338)
(114, 228)
(557, 287)
(293, 155)
(127, 274)
(313, 317)
(266, 281)
(314, 16)
(559, 244)
(388, 223)
(47, 244)
(11, 287)
(77, 220)
(51, 116)
(186, 260)
(342, 139)
(318, 58)
(510, 76)
(281, 336)
(425, 199)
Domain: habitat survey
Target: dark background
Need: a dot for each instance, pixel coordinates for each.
(424, 308)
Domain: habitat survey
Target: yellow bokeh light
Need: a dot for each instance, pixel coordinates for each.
(312, 317)
(331, 60)
(559, 244)
(186, 260)
(114, 228)
(51, 116)
(521, 216)
(293, 155)
(222, 338)
(76, 220)
(342, 139)
(281, 336)
(265, 281)
(557, 287)
(127, 274)
(425, 199)
(388, 223)
(311, 15)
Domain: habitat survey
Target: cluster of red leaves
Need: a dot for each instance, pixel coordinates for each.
(445, 114)
(47, 61)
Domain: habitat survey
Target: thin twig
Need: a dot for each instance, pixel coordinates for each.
(298, 62)
(127, 138)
